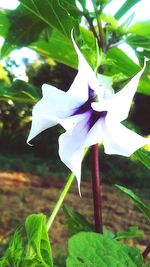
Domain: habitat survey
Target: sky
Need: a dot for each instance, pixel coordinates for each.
(141, 12)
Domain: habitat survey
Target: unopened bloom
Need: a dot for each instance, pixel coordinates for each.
(89, 114)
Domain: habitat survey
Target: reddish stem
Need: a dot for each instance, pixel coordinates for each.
(146, 252)
(97, 192)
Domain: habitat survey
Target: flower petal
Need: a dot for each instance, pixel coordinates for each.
(51, 109)
(120, 140)
(120, 103)
(72, 143)
(71, 146)
(85, 77)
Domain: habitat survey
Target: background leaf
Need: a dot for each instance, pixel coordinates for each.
(51, 13)
(20, 91)
(4, 22)
(142, 156)
(137, 201)
(76, 222)
(125, 7)
(132, 232)
(141, 28)
(56, 47)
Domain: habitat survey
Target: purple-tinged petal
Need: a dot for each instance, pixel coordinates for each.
(95, 134)
(71, 145)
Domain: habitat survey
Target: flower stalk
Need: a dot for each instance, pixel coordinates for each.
(97, 192)
(60, 201)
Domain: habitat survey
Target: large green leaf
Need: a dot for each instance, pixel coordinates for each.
(137, 201)
(71, 7)
(29, 30)
(95, 250)
(59, 47)
(30, 27)
(125, 7)
(52, 13)
(141, 28)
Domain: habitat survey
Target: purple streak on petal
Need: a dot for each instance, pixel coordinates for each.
(86, 107)
(95, 116)
(91, 93)
(83, 108)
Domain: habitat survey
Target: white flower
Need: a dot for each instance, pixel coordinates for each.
(87, 122)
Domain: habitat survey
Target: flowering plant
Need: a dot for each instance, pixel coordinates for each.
(91, 112)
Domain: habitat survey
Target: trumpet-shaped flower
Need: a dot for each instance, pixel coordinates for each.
(89, 114)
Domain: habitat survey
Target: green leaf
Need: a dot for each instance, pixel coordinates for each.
(125, 7)
(110, 20)
(14, 252)
(95, 250)
(141, 28)
(75, 222)
(83, 4)
(144, 84)
(71, 7)
(138, 41)
(56, 48)
(137, 201)
(38, 241)
(132, 232)
(30, 27)
(52, 13)
(29, 30)
(143, 156)
(124, 26)
(4, 23)
(58, 44)
(120, 63)
(6, 49)
(20, 91)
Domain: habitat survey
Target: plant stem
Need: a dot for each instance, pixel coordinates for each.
(100, 29)
(60, 201)
(146, 252)
(97, 193)
(89, 20)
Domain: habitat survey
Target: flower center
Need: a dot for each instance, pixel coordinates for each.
(86, 107)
